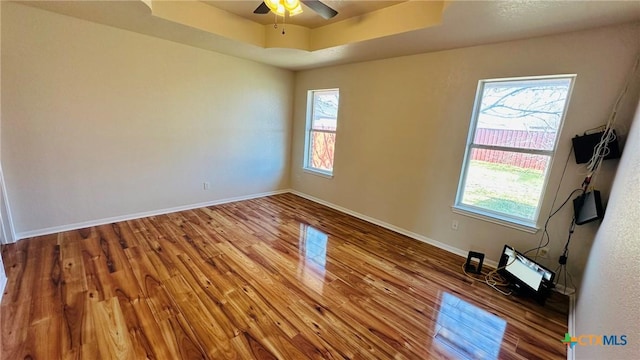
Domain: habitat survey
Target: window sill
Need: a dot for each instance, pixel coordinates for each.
(323, 174)
(522, 226)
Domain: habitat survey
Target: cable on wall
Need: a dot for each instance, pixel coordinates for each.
(562, 260)
(551, 211)
(601, 150)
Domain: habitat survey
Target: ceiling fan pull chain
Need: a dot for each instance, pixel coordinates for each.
(284, 23)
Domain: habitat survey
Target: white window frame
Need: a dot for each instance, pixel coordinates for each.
(308, 129)
(519, 223)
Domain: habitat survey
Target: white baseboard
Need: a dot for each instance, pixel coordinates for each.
(571, 325)
(97, 222)
(565, 290)
(3, 283)
(3, 279)
(391, 227)
(8, 232)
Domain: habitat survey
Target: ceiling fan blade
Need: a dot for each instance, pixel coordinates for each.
(322, 9)
(262, 9)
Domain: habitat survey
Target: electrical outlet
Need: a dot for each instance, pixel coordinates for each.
(543, 252)
(454, 225)
(205, 185)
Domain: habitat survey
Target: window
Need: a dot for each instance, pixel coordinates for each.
(320, 138)
(512, 140)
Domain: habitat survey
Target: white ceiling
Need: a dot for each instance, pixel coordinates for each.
(464, 23)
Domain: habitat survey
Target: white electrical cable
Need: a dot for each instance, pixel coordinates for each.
(601, 150)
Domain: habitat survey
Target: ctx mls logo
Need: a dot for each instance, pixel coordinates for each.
(594, 340)
(569, 340)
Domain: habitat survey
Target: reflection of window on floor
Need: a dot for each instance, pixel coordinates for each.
(313, 256)
(467, 332)
(315, 245)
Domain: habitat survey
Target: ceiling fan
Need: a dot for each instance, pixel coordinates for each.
(293, 6)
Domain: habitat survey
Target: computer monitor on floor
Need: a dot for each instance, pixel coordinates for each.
(526, 277)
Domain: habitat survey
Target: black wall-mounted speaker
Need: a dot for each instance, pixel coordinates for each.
(587, 207)
(583, 147)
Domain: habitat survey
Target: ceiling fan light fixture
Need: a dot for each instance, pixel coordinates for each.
(272, 4)
(280, 10)
(291, 4)
(297, 10)
(281, 7)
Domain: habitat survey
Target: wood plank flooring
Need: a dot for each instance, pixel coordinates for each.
(278, 277)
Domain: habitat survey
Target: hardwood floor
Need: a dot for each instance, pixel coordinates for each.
(276, 277)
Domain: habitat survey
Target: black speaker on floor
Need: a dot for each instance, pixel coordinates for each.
(470, 267)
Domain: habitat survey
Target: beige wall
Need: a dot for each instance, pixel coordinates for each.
(6, 225)
(610, 296)
(403, 124)
(99, 122)
(3, 276)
